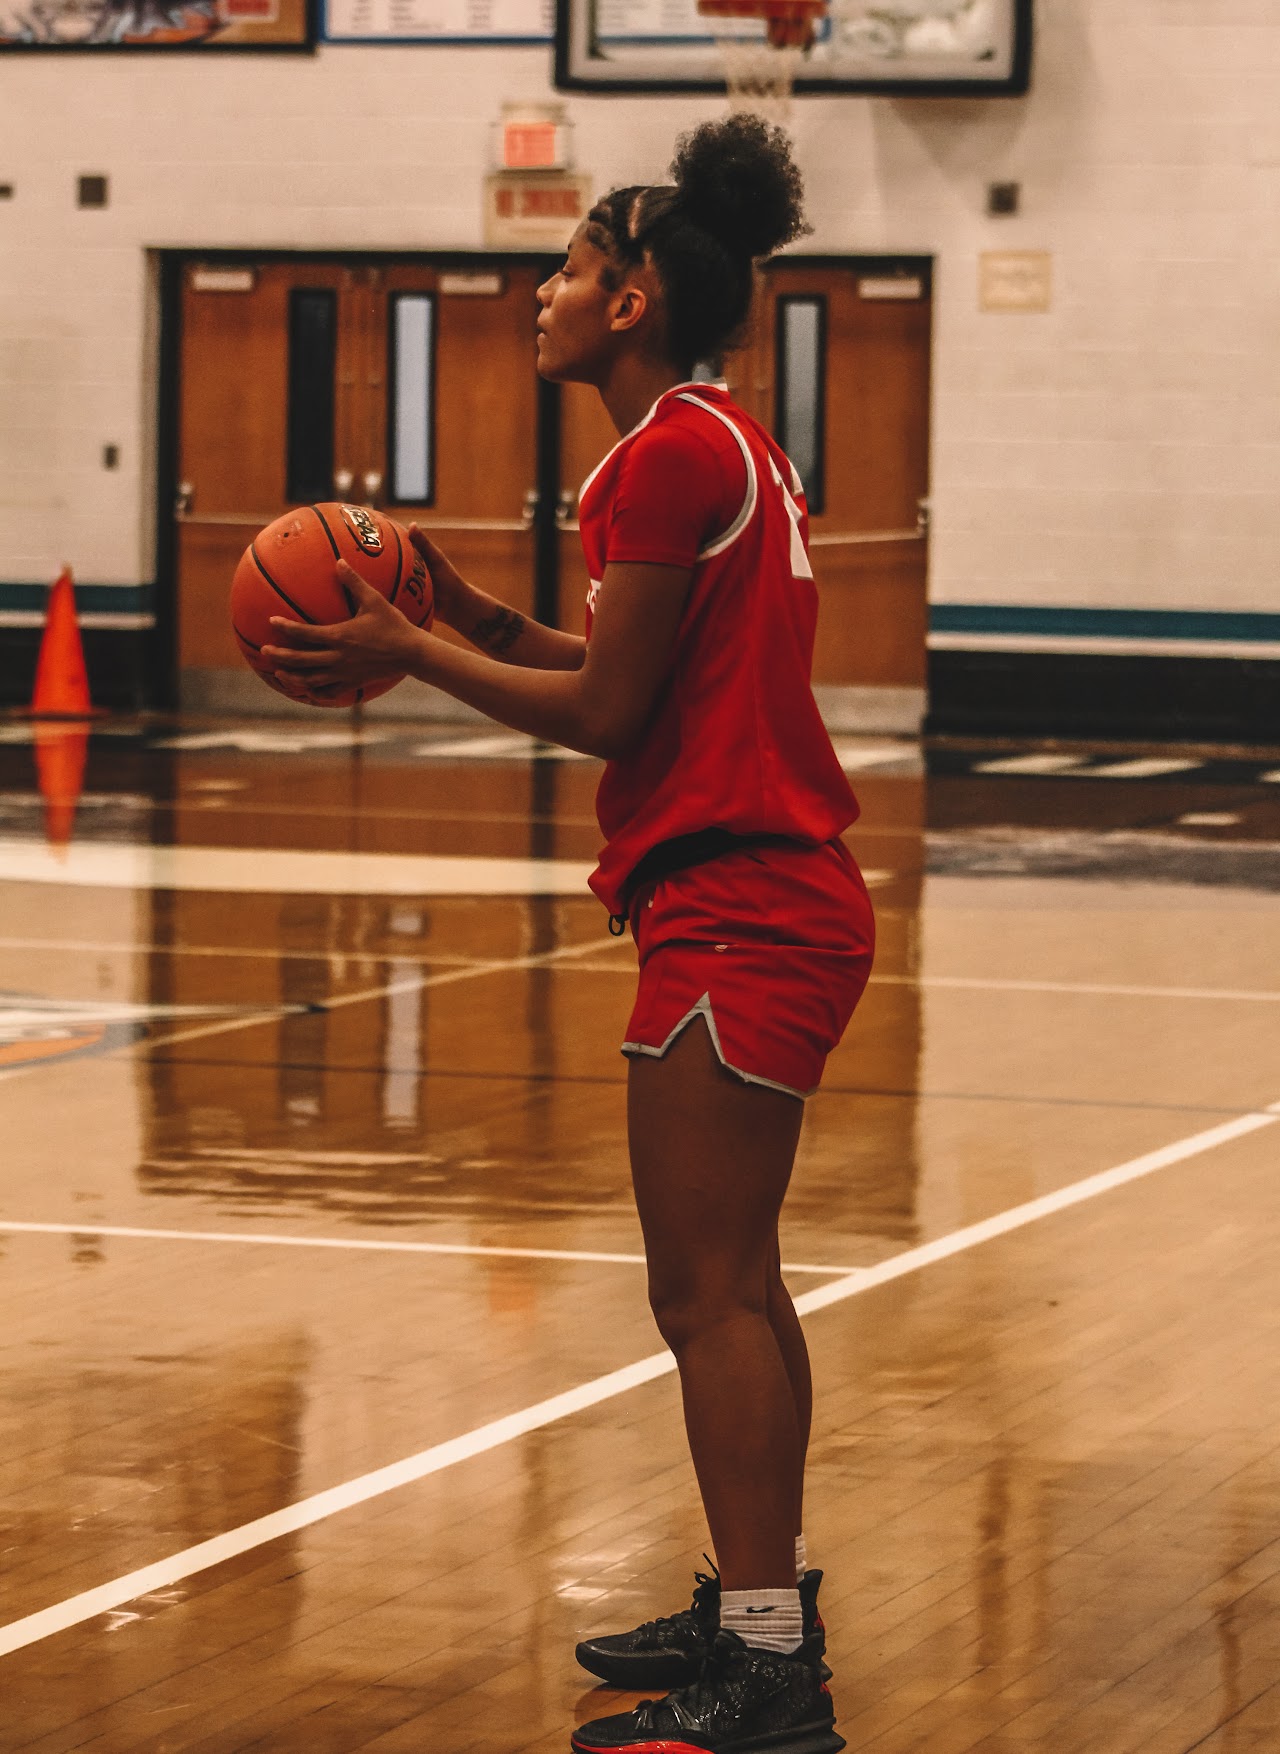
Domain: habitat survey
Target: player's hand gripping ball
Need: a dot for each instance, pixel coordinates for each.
(290, 569)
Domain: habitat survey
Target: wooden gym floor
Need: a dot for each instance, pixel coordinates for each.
(331, 1413)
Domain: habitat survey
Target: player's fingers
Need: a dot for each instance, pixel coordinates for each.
(423, 543)
(310, 681)
(301, 635)
(293, 686)
(358, 592)
(438, 563)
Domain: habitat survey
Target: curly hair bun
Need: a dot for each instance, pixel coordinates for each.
(736, 179)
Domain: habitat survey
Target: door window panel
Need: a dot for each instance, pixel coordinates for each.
(801, 378)
(411, 439)
(313, 344)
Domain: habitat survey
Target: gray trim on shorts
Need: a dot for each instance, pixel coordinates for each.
(703, 1009)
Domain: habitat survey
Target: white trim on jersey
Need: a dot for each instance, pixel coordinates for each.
(739, 524)
(801, 567)
(638, 427)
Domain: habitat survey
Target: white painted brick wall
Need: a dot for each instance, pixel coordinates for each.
(1122, 450)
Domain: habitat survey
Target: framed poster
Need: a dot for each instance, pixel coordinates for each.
(438, 21)
(153, 25)
(922, 48)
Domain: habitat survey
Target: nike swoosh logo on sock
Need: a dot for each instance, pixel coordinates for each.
(762, 1610)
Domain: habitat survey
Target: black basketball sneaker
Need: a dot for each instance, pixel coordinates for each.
(744, 1699)
(668, 1652)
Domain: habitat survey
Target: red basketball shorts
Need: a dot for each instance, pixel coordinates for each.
(771, 944)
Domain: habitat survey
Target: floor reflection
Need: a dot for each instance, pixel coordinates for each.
(1044, 1470)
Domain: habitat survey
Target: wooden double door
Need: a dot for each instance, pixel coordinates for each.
(397, 384)
(411, 385)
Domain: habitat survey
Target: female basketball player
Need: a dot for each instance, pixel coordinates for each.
(722, 807)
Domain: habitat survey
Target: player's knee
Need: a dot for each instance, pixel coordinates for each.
(687, 1310)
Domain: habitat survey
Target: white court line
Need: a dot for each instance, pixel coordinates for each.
(1017, 1217)
(1030, 764)
(284, 870)
(372, 1245)
(412, 984)
(980, 983)
(25, 1011)
(136, 947)
(1102, 987)
(852, 754)
(1141, 768)
(284, 741)
(497, 747)
(308, 1511)
(415, 983)
(620, 965)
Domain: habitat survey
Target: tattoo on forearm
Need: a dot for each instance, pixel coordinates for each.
(498, 632)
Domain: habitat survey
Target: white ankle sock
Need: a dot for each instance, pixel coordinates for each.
(764, 1619)
(802, 1563)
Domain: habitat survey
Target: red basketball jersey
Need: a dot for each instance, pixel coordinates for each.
(735, 740)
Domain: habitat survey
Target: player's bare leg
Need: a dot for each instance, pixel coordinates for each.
(711, 1159)
(795, 1356)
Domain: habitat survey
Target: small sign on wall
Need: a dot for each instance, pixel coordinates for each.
(890, 286)
(203, 279)
(530, 146)
(532, 137)
(466, 285)
(534, 211)
(1015, 280)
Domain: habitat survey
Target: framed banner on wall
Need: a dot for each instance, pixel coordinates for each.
(437, 21)
(154, 25)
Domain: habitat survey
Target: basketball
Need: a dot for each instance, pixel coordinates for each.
(288, 569)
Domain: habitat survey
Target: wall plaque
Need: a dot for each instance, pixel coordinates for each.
(1015, 280)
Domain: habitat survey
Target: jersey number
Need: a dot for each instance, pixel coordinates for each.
(800, 568)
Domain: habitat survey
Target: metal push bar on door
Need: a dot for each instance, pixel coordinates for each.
(859, 538)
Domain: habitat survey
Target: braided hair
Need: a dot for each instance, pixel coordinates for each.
(736, 197)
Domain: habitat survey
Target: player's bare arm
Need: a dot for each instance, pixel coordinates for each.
(599, 708)
(489, 625)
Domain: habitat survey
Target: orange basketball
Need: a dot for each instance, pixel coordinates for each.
(288, 569)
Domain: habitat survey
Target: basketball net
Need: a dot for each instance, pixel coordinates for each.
(760, 71)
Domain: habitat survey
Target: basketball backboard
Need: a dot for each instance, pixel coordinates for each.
(947, 48)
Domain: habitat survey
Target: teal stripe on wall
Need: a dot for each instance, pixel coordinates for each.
(994, 618)
(114, 599)
(1190, 624)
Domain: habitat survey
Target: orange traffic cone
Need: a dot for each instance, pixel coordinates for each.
(62, 683)
(60, 758)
